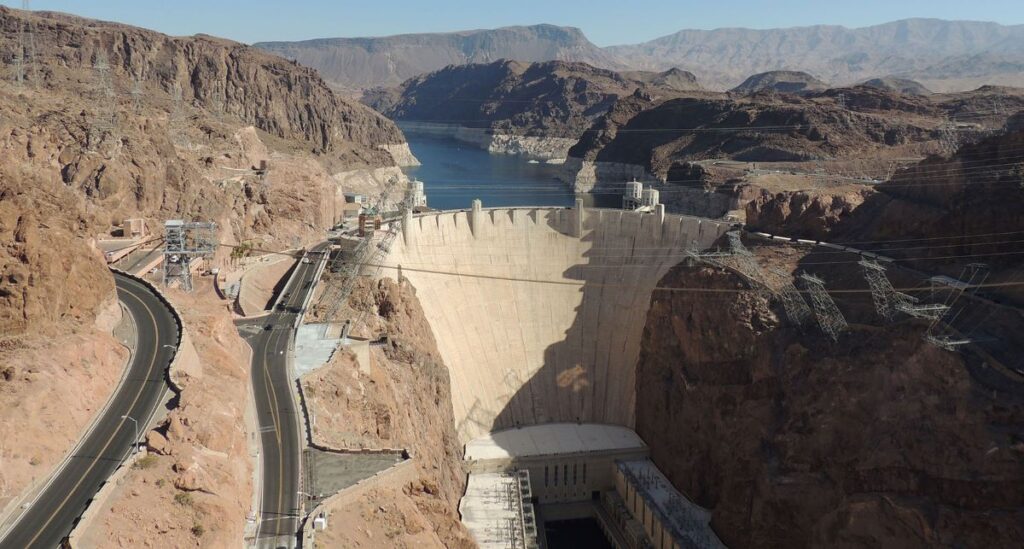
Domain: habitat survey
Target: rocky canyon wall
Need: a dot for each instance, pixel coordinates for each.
(793, 441)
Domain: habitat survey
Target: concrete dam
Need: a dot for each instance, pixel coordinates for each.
(539, 312)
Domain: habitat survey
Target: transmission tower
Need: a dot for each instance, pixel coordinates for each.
(797, 310)
(106, 102)
(942, 331)
(949, 141)
(177, 126)
(24, 56)
(137, 92)
(744, 262)
(185, 242)
(889, 302)
(830, 318)
(886, 299)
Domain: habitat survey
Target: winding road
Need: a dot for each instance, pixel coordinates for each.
(51, 516)
(281, 437)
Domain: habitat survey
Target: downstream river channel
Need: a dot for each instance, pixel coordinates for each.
(453, 174)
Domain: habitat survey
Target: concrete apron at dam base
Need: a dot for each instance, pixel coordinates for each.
(538, 314)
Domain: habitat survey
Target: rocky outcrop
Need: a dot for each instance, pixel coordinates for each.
(402, 402)
(860, 130)
(95, 136)
(363, 63)
(76, 160)
(808, 214)
(899, 85)
(673, 79)
(792, 441)
(795, 82)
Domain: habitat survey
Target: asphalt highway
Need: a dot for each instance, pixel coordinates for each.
(52, 515)
(281, 437)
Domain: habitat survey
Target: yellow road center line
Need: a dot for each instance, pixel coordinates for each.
(112, 436)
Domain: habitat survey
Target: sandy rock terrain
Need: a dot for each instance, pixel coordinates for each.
(49, 392)
(385, 518)
(404, 403)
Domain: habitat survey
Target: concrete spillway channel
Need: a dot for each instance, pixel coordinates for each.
(52, 514)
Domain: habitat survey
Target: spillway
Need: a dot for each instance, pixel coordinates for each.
(538, 312)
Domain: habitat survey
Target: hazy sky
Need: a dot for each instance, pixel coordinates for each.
(606, 22)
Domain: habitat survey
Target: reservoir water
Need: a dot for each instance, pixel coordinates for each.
(453, 174)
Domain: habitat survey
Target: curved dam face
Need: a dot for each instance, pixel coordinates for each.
(538, 312)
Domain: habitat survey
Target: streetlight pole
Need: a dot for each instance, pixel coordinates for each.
(136, 443)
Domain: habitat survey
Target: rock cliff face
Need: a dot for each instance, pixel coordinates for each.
(537, 110)
(804, 213)
(76, 158)
(792, 441)
(216, 75)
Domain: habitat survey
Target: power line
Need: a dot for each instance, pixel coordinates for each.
(582, 283)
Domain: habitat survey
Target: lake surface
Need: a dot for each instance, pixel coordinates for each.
(453, 174)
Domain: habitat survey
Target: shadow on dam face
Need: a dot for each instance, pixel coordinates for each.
(538, 312)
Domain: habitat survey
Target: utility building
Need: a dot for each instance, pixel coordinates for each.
(417, 196)
(639, 199)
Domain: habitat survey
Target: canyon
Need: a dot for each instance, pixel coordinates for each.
(509, 368)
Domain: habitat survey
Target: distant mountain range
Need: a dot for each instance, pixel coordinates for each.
(941, 55)
(361, 63)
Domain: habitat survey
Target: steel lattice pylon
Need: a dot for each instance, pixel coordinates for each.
(105, 120)
(829, 317)
(24, 56)
(886, 299)
(797, 310)
(942, 331)
(776, 285)
(183, 243)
